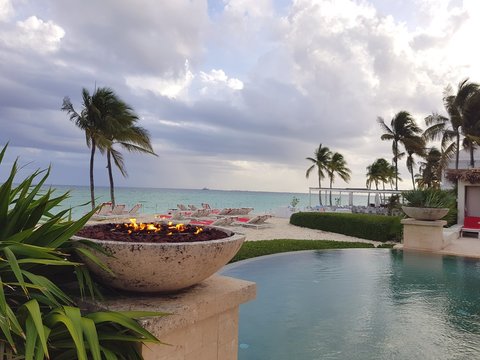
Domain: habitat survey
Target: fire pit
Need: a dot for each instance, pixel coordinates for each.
(158, 257)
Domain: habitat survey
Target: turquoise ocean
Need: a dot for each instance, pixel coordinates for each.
(158, 201)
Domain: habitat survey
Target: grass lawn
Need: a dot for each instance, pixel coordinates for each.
(252, 249)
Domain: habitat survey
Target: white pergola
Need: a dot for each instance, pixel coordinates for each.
(351, 192)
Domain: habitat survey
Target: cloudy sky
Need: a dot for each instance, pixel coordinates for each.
(235, 93)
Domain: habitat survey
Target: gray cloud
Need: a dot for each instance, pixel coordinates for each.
(319, 74)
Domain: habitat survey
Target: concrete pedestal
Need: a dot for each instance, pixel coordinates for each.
(203, 324)
(423, 235)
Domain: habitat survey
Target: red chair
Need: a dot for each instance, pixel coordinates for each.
(471, 224)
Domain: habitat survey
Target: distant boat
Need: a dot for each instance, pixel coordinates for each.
(205, 188)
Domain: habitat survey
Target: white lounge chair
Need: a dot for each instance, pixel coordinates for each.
(182, 207)
(134, 210)
(118, 210)
(256, 222)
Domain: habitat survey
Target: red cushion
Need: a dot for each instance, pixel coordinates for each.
(472, 222)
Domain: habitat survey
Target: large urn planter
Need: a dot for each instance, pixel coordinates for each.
(160, 267)
(425, 213)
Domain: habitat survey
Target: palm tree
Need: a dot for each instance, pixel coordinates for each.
(449, 129)
(414, 145)
(379, 171)
(401, 131)
(471, 124)
(431, 170)
(337, 166)
(91, 122)
(320, 160)
(120, 128)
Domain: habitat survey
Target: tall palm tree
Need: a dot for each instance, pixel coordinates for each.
(430, 174)
(449, 129)
(414, 145)
(380, 171)
(91, 122)
(120, 128)
(471, 124)
(401, 131)
(337, 166)
(320, 160)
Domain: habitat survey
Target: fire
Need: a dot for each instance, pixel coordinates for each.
(170, 228)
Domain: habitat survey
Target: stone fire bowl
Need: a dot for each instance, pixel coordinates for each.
(161, 267)
(428, 214)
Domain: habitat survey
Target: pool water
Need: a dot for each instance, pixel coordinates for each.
(360, 304)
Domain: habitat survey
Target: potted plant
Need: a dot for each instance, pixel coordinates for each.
(427, 204)
(40, 282)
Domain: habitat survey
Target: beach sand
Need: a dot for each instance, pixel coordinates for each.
(281, 229)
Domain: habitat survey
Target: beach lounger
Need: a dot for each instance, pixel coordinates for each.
(200, 213)
(225, 211)
(192, 207)
(206, 206)
(118, 210)
(104, 209)
(134, 210)
(219, 222)
(182, 207)
(256, 222)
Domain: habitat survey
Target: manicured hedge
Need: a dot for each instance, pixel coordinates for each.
(365, 226)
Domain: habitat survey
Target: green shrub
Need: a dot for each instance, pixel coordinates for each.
(365, 226)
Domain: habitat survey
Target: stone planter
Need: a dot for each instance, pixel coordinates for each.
(161, 267)
(428, 214)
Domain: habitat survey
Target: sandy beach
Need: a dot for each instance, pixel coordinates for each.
(281, 229)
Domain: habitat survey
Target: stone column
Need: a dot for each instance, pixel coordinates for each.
(203, 320)
(423, 235)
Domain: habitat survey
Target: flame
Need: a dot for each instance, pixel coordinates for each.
(170, 227)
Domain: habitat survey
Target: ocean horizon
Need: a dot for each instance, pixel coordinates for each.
(161, 200)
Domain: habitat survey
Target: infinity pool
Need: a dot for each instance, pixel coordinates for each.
(360, 304)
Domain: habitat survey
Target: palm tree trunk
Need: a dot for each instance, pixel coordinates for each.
(110, 177)
(92, 185)
(413, 180)
(457, 152)
(472, 158)
(331, 184)
(319, 191)
(396, 165)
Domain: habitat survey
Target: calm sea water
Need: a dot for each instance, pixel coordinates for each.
(360, 304)
(160, 200)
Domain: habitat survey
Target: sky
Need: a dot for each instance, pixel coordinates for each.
(235, 94)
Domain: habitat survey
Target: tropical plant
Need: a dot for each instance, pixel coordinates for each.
(429, 198)
(430, 170)
(413, 145)
(337, 166)
(380, 171)
(40, 281)
(449, 129)
(119, 127)
(403, 130)
(320, 161)
(91, 121)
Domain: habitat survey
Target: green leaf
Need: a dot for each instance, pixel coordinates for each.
(12, 261)
(90, 332)
(48, 288)
(36, 315)
(31, 339)
(125, 321)
(90, 256)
